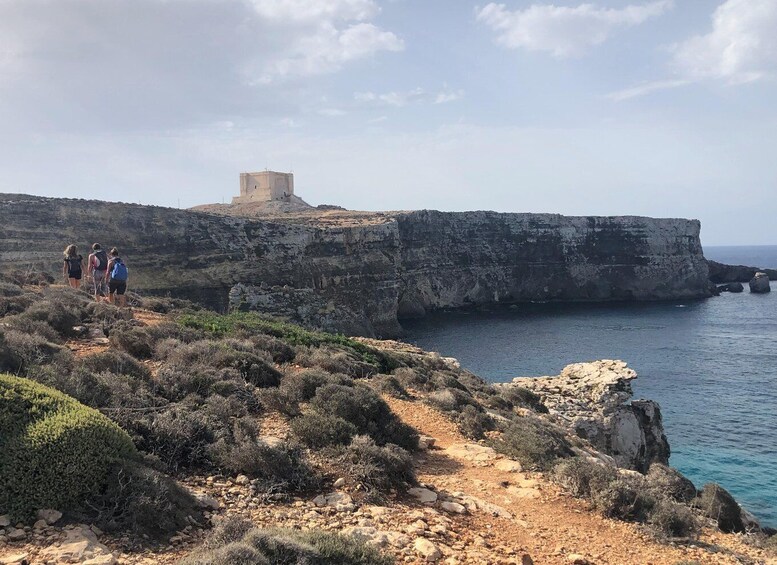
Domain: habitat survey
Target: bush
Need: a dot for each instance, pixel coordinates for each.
(144, 501)
(116, 362)
(624, 499)
(670, 483)
(10, 289)
(62, 310)
(519, 396)
(536, 444)
(669, 518)
(360, 406)
(54, 452)
(411, 378)
(335, 360)
(106, 316)
(376, 468)
(235, 542)
(135, 340)
(474, 423)
(322, 430)
(451, 399)
(20, 352)
(280, 351)
(302, 385)
(582, 478)
(389, 385)
(716, 503)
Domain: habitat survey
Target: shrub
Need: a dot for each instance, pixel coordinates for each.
(376, 468)
(389, 385)
(335, 360)
(536, 444)
(19, 352)
(302, 385)
(106, 316)
(116, 362)
(360, 406)
(10, 289)
(280, 351)
(179, 436)
(54, 452)
(474, 423)
(411, 378)
(234, 542)
(135, 340)
(142, 500)
(322, 430)
(16, 304)
(519, 396)
(451, 399)
(669, 518)
(624, 499)
(670, 483)
(716, 503)
(62, 311)
(582, 478)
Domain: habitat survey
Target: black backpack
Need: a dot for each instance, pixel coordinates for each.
(74, 264)
(102, 258)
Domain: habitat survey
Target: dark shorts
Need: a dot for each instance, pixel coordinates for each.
(74, 275)
(118, 287)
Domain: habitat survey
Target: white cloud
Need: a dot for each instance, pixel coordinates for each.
(393, 98)
(561, 30)
(742, 46)
(332, 112)
(311, 10)
(646, 88)
(448, 96)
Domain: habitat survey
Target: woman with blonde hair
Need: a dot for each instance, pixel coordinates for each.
(73, 267)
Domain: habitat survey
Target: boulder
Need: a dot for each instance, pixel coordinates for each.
(50, 515)
(716, 503)
(735, 287)
(423, 495)
(759, 284)
(5, 521)
(427, 550)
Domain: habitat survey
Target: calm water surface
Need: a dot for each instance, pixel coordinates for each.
(711, 364)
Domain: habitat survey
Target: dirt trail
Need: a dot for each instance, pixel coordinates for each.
(545, 523)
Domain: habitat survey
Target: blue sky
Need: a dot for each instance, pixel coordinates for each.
(659, 108)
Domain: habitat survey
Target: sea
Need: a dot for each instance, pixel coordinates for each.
(711, 364)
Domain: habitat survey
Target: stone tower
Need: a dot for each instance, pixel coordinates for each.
(265, 186)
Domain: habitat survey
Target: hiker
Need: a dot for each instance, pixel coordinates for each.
(117, 274)
(96, 268)
(73, 267)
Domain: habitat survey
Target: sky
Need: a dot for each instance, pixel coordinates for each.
(657, 108)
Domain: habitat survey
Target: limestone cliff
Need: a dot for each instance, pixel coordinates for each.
(592, 399)
(362, 276)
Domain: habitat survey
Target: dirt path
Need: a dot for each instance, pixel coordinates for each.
(546, 524)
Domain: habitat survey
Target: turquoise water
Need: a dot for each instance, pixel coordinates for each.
(711, 364)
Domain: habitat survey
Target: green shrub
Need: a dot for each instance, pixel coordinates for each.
(451, 399)
(523, 397)
(21, 352)
(116, 362)
(625, 499)
(670, 483)
(389, 385)
(235, 542)
(54, 452)
(10, 289)
(377, 469)
(474, 423)
(368, 412)
(536, 444)
(335, 360)
(132, 339)
(302, 385)
(322, 430)
(280, 351)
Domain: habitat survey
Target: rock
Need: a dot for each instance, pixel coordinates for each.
(51, 516)
(508, 466)
(473, 452)
(339, 483)
(427, 550)
(337, 500)
(593, 398)
(15, 559)
(526, 559)
(671, 482)
(577, 559)
(721, 273)
(242, 480)
(40, 524)
(426, 442)
(453, 507)
(423, 495)
(735, 287)
(759, 284)
(16, 534)
(716, 503)
(207, 502)
(5, 521)
(79, 546)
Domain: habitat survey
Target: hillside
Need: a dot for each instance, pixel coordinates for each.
(376, 440)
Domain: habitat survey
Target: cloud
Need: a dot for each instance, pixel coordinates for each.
(400, 99)
(96, 65)
(646, 88)
(561, 30)
(448, 96)
(742, 46)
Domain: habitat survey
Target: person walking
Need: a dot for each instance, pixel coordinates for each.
(97, 268)
(73, 267)
(117, 274)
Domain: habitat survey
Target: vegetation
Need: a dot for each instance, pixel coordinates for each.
(236, 542)
(533, 442)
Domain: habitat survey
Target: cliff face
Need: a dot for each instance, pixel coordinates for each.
(362, 277)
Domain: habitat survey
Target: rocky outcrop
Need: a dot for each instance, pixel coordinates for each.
(735, 287)
(363, 276)
(721, 273)
(759, 284)
(593, 400)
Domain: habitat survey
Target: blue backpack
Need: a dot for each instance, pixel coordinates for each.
(119, 271)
